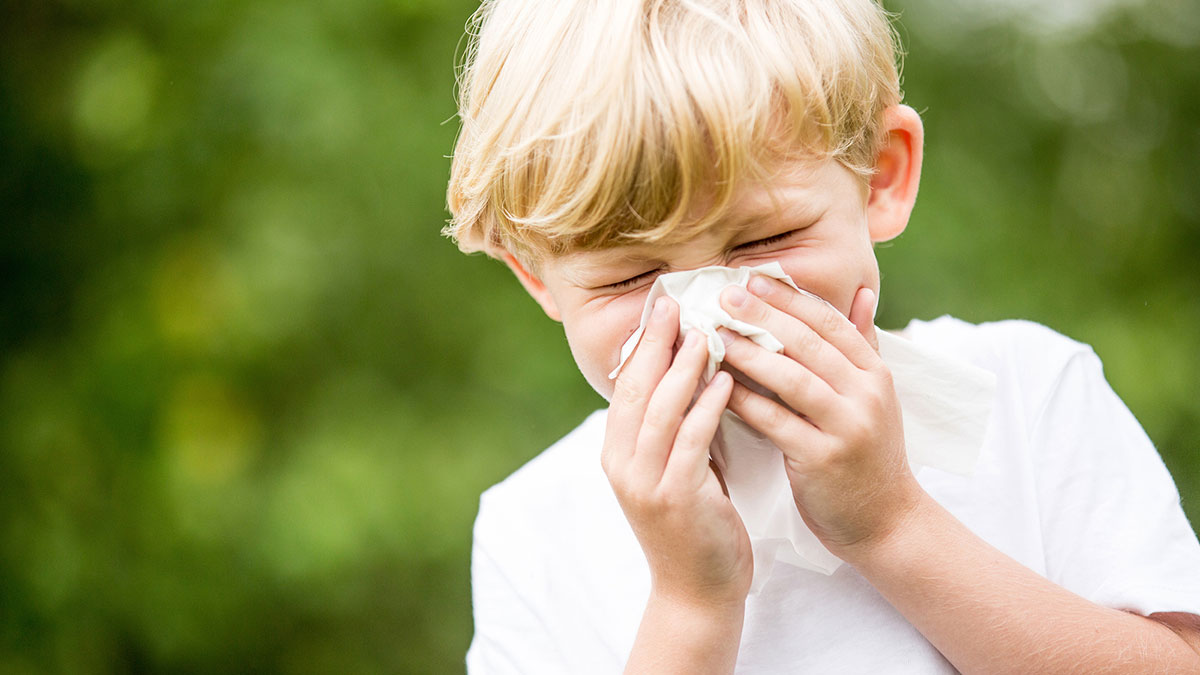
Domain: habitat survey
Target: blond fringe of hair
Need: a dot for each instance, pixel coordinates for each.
(595, 123)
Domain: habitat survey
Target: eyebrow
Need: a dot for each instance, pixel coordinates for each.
(598, 262)
(771, 212)
(799, 210)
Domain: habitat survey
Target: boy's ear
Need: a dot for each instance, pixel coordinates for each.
(533, 285)
(897, 173)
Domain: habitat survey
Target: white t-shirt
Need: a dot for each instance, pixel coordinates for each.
(1067, 484)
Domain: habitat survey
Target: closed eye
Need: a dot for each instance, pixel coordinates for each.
(633, 281)
(759, 243)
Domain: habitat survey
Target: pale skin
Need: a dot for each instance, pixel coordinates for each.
(844, 456)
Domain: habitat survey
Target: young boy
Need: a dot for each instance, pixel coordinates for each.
(606, 143)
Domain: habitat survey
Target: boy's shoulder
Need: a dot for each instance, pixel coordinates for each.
(1016, 345)
(1028, 359)
(993, 340)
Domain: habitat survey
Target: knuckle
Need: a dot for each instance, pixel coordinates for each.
(814, 459)
(619, 485)
(649, 500)
(776, 416)
(666, 498)
(687, 437)
(879, 398)
(885, 377)
(608, 464)
(626, 393)
(877, 401)
(690, 437)
(820, 460)
(640, 493)
(798, 305)
(809, 341)
(830, 321)
(637, 500)
(650, 339)
(615, 472)
(858, 429)
(658, 418)
(799, 387)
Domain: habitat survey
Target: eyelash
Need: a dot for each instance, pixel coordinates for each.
(748, 245)
(768, 241)
(633, 280)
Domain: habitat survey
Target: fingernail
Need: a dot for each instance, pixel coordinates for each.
(737, 296)
(660, 309)
(691, 339)
(759, 286)
(727, 336)
(874, 304)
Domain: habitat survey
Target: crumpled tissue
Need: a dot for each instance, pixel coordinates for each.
(945, 405)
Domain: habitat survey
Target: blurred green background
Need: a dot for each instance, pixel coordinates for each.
(249, 397)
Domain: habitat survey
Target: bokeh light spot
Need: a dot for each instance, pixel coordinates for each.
(209, 430)
(191, 293)
(114, 95)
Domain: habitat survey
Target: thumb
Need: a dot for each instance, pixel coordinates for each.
(862, 315)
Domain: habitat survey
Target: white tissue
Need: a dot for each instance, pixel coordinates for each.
(945, 404)
(697, 292)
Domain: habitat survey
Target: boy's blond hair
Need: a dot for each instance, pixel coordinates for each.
(593, 123)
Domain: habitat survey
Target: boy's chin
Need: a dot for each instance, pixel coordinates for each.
(601, 385)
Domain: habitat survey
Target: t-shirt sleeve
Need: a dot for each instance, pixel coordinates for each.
(1113, 528)
(510, 634)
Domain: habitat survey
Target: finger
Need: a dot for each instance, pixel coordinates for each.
(862, 315)
(638, 379)
(791, 381)
(800, 341)
(781, 426)
(819, 315)
(689, 461)
(665, 411)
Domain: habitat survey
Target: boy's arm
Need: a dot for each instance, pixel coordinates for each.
(679, 638)
(988, 613)
(983, 610)
(656, 458)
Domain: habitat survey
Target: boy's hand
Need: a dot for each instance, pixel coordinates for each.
(656, 458)
(839, 422)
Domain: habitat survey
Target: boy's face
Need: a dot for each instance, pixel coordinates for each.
(816, 219)
(815, 228)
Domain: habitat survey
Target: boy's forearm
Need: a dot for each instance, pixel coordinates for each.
(675, 637)
(987, 613)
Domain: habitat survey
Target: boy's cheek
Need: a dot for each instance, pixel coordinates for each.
(596, 344)
(593, 365)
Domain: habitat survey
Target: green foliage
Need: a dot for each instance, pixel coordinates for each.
(249, 396)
